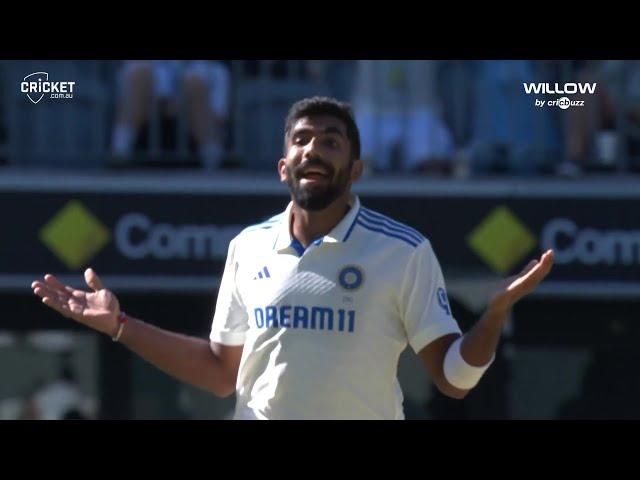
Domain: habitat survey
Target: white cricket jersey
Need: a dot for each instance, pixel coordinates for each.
(323, 327)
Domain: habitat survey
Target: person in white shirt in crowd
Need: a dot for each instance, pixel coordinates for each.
(201, 88)
(398, 113)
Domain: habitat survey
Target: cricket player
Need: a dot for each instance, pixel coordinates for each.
(316, 304)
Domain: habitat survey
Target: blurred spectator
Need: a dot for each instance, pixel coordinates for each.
(607, 127)
(509, 133)
(398, 112)
(200, 88)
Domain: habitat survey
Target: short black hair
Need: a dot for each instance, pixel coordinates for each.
(324, 106)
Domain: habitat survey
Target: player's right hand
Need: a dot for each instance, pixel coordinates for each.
(97, 309)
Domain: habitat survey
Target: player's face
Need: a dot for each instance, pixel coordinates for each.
(318, 166)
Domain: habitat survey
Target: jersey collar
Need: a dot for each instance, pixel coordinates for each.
(340, 232)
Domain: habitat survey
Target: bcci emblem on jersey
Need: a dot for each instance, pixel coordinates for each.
(350, 277)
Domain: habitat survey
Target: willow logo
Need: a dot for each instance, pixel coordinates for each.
(565, 89)
(74, 235)
(36, 84)
(501, 240)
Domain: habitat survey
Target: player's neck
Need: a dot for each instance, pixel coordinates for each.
(307, 226)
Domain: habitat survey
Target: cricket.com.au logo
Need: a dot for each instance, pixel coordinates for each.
(36, 85)
(559, 89)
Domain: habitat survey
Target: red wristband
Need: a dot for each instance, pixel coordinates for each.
(122, 319)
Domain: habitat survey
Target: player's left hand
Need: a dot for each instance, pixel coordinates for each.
(516, 287)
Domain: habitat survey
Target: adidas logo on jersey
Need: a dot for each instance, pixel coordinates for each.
(264, 273)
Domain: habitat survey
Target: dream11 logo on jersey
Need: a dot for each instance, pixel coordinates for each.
(557, 89)
(37, 84)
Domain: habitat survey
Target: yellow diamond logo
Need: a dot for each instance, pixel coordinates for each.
(501, 240)
(74, 235)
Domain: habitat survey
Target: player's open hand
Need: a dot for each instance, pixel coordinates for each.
(97, 309)
(516, 287)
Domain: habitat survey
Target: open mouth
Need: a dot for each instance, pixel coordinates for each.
(314, 176)
(314, 173)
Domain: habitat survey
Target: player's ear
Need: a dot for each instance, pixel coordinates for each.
(282, 170)
(356, 170)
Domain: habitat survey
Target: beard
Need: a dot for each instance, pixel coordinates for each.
(317, 197)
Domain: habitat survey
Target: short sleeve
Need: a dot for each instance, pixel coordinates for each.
(425, 310)
(230, 317)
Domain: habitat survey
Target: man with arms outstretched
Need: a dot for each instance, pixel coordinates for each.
(316, 304)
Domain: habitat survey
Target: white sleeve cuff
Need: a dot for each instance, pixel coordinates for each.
(428, 335)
